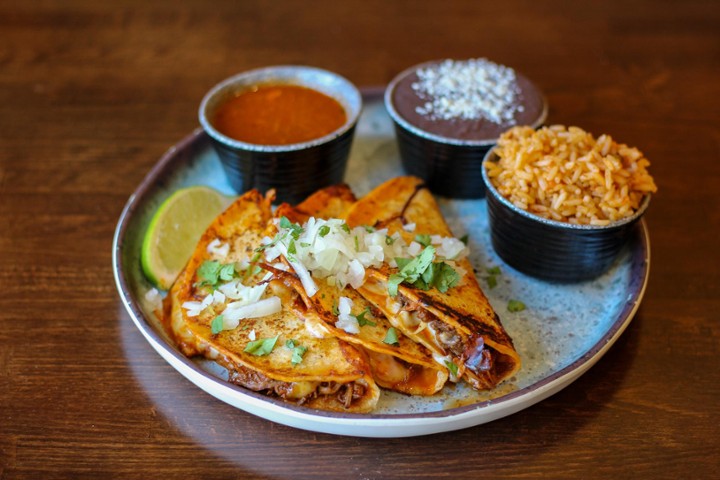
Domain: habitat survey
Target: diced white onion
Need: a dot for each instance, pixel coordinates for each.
(234, 312)
(345, 320)
(218, 248)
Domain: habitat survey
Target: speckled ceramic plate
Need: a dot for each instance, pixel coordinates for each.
(564, 330)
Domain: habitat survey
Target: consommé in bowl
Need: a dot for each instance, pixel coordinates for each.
(289, 128)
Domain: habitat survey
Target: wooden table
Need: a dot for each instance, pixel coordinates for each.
(92, 93)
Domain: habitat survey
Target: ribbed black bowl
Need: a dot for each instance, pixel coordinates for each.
(552, 250)
(451, 167)
(450, 170)
(297, 170)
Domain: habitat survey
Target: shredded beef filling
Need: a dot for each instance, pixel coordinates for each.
(344, 393)
(472, 350)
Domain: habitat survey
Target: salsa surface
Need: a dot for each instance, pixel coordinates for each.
(279, 115)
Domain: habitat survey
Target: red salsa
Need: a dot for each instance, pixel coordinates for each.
(279, 115)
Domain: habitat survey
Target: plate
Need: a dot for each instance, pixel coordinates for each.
(564, 330)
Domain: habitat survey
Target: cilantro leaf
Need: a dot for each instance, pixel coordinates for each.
(209, 272)
(391, 337)
(492, 281)
(227, 272)
(345, 227)
(368, 228)
(335, 310)
(297, 355)
(393, 282)
(261, 346)
(389, 240)
(445, 277)
(429, 274)
(415, 267)
(290, 343)
(285, 222)
(515, 306)
(423, 239)
(324, 230)
(362, 321)
(291, 249)
(357, 244)
(401, 262)
(216, 326)
(452, 367)
(494, 270)
(295, 229)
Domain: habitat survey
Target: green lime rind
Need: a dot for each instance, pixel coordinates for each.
(175, 229)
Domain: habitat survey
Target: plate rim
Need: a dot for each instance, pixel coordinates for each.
(324, 421)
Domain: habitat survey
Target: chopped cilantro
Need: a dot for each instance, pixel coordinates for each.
(445, 277)
(422, 273)
(212, 271)
(324, 230)
(389, 240)
(362, 321)
(285, 222)
(401, 262)
(452, 367)
(295, 229)
(298, 351)
(494, 270)
(345, 227)
(297, 354)
(393, 282)
(209, 272)
(369, 229)
(262, 346)
(357, 244)
(335, 310)
(304, 244)
(423, 239)
(216, 326)
(291, 249)
(515, 306)
(391, 337)
(492, 281)
(227, 272)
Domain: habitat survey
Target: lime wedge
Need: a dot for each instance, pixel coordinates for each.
(175, 230)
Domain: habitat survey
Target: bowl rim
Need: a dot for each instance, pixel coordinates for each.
(398, 119)
(283, 75)
(491, 156)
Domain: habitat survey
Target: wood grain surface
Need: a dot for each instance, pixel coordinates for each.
(92, 94)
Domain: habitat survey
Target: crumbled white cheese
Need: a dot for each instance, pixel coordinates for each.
(469, 90)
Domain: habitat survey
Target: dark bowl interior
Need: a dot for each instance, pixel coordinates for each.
(552, 250)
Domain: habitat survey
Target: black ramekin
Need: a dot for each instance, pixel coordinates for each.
(552, 250)
(296, 170)
(451, 167)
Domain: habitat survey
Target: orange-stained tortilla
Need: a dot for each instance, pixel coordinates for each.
(279, 115)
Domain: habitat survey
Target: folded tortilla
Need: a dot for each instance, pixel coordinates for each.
(405, 367)
(459, 326)
(332, 374)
